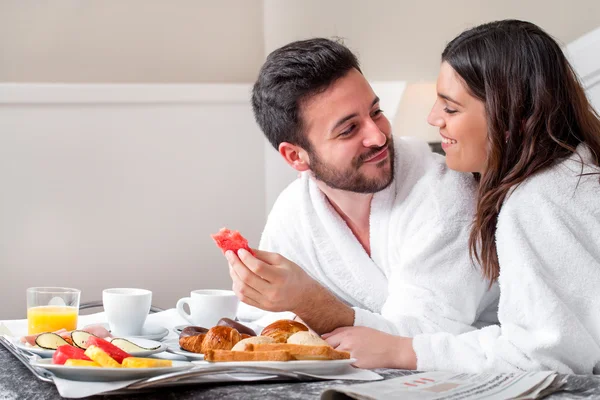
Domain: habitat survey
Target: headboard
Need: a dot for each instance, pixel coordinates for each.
(584, 54)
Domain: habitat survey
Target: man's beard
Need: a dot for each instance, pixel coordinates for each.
(352, 179)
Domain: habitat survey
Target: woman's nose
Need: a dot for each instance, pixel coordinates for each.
(434, 118)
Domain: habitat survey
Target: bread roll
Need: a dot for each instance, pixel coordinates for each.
(241, 345)
(281, 330)
(306, 338)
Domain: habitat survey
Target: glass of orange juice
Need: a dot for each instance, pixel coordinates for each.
(52, 308)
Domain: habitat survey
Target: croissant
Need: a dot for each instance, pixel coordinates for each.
(281, 330)
(192, 343)
(220, 338)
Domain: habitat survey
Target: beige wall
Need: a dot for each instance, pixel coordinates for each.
(226, 40)
(130, 40)
(402, 40)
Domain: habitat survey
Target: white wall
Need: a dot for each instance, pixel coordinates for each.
(114, 185)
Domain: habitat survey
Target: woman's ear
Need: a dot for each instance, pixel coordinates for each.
(295, 156)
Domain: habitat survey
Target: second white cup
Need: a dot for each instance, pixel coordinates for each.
(126, 310)
(207, 307)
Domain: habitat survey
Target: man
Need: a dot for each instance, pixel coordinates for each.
(374, 233)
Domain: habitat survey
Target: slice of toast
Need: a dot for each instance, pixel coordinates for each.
(301, 351)
(229, 356)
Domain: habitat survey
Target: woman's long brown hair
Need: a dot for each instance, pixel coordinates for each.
(537, 114)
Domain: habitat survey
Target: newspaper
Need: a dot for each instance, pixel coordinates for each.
(454, 386)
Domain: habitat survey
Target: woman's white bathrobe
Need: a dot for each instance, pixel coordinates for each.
(548, 241)
(419, 277)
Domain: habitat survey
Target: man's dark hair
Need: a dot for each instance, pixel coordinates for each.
(290, 75)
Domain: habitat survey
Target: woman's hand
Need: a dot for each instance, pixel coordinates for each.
(373, 348)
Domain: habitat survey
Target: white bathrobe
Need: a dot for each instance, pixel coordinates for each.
(419, 277)
(548, 242)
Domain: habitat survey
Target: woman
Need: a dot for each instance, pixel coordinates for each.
(511, 110)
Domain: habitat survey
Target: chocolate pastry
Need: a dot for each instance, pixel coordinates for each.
(243, 329)
(192, 331)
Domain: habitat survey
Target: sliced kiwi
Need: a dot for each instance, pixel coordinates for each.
(80, 338)
(130, 347)
(50, 341)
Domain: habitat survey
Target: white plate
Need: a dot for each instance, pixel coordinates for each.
(317, 367)
(33, 349)
(99, 374)
(149, 331)
(173, 347)
(44, 353)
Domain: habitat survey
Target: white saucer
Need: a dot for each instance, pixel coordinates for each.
(177, 329)
(151, 332)
(173, 347)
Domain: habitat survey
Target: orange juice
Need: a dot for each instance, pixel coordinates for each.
(51, 318)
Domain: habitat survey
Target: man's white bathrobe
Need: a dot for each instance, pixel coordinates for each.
(548, 242)
(419, 277)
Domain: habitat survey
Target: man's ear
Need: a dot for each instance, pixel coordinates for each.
(295, 156)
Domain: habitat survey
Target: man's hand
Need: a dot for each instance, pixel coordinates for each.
(373, 348)
(271, 282)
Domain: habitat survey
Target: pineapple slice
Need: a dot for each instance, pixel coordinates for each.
(101, 357)
(139, 362)
(81, 363)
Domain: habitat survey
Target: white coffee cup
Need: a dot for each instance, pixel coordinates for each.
(207, 307)
(126, 310)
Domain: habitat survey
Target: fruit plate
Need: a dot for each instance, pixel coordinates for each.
(45, 353)
(99, 374)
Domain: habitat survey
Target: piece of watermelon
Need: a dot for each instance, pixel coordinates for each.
(231, 240)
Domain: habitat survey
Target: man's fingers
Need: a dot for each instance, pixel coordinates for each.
(250, 302)
(245, 293)
(265, 270)
(245, 274)
(268, 257)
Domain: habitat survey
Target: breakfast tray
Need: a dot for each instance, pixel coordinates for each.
(198, 375)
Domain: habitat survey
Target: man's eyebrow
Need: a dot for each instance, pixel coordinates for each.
(446, 97)
(347, 117)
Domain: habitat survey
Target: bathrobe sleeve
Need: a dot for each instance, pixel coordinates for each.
(548, 242)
